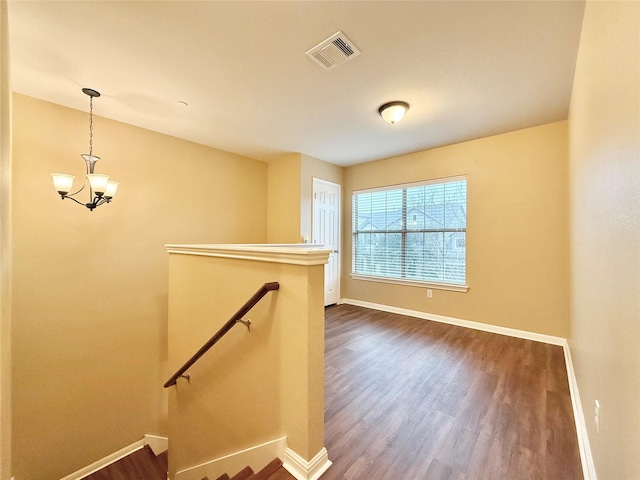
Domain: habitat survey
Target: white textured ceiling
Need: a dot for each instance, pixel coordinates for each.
(468, 69)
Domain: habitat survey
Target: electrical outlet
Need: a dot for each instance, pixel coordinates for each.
(429, 293)
(597, 416)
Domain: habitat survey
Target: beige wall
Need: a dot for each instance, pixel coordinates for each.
(517, 233)
(290, 206)
(283, 205)
(313, 168)
(90, 288)
(250, 388)
(5, 247)
(605, 233)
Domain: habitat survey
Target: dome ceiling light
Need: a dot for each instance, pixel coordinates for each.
(393, 112)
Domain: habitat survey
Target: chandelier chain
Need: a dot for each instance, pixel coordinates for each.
(90, 125)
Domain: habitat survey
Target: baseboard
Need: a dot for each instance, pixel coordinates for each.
(586, 457)
(157, 444)
(256, 457)
(485, 327)
(306, 470)
(103, 462)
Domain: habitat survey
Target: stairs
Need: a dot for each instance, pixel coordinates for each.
(273, 471)
(143, 464)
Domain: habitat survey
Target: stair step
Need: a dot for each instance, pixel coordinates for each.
(243, 474)
(140, 464)
(144, 464)
(281, 474)
(273, 471)
(162, 464)
(270, 469)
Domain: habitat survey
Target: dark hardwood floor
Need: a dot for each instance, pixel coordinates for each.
(141, 464)
(410, 399)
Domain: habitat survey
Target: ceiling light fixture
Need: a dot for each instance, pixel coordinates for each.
(393, 112)
(101, 189)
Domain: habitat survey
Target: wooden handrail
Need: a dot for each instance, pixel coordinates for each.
(236, 318)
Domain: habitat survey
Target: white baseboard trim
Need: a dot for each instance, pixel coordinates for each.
(256, 457)
(306, 470)
(103, 462)
(586, 457)
(157, 444)
(485, 327)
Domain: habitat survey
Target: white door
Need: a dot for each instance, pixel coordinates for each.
(326, 231)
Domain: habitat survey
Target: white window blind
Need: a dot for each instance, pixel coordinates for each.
(415, 232)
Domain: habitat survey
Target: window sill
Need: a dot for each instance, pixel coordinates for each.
(413, 283)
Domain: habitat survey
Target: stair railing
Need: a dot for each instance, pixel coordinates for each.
(236, 318)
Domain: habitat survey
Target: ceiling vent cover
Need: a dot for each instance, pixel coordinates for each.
(335, 50)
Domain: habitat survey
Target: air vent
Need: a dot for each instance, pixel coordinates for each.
(335, 50)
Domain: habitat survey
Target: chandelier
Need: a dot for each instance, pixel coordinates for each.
(101, 189)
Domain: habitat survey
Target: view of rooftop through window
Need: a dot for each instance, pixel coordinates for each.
(415, 232)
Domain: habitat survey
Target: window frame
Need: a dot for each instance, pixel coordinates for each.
(403, 231)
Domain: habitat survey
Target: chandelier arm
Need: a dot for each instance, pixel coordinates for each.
(71, 198)
(81, 188)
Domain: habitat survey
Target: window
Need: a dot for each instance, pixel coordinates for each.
(412, 233)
